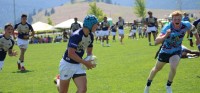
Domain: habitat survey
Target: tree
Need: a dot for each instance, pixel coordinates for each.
(94, 10)
(49, 21)
(52, 10)
(140, 9)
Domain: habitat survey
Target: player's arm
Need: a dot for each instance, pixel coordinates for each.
(74, 56)
(161, 37)
(10, 51)
(32, 31)
(196, 34)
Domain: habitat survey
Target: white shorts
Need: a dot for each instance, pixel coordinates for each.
(67, 70)
(133, 31)
(121, 31)
(113, 33)
(22, 43)
(150, 29)
(98, 33)
(1, 65)
(105, 33)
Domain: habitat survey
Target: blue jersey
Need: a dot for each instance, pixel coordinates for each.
(186, 18)
(173, 42)
(23, 30)
(5, 45)
(79, 42)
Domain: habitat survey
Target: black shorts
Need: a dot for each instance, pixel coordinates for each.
(164, 57)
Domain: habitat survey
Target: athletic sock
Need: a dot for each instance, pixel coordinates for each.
(169, 83)
(149, 82)
(22, 63)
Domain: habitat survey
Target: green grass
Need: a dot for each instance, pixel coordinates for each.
(120, 69)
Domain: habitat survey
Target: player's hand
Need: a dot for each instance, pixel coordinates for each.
(168, 33)
(89, 64)
(14, 53)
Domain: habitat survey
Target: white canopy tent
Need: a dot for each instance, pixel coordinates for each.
(40, 26)
(67, 24)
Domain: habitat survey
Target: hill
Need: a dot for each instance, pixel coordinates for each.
(79, 10)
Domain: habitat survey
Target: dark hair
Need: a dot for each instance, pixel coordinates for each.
(75, 18)
(149, 12)
(23, 15)
(7, 25)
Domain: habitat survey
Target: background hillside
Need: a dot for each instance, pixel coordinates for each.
(79, 10)
(32, 7)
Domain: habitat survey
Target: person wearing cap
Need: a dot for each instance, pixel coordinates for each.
(70, 65)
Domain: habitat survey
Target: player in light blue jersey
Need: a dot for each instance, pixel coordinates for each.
(70, 64)
(171, 37)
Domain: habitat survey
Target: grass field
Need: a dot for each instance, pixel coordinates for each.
(120, 69)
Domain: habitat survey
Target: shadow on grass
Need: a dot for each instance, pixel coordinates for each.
(198, 76)
(26, 71)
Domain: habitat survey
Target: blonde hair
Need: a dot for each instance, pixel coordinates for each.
(177, 13)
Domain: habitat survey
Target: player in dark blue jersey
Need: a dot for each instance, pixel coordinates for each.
(6, 44)
(70, 65)
(120, 25)
(171, 37)
(75, 26)
(113, 31)
(24, 30)
(196, 23)
(105, 27)
(190, 35)
(152, 26)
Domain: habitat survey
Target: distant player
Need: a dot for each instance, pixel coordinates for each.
(186, 18)
(75, 26)
(134, 29)
(140, 32)
(98, 33)
(24, 29)
(196, 23)
(70, 64)
(6, 44)
(120, 25)
(152, 26)
(113, 32)
(171, 37)
(105, 26)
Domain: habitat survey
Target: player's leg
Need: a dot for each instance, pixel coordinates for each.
(190, 38)
(81, 84)
(173, 61)
(159, 65)
(67, 71)
(149, 37)
(64, 85)
(154, 35)
(1, 65)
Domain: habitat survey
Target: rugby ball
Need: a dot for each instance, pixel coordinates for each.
(91, 57)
